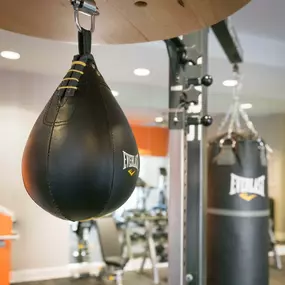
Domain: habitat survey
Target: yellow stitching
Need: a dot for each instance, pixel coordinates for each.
(74, 70)
(70, 78)
(79, 62)
(66, 87)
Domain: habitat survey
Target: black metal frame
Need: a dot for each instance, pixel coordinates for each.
(187, 248)
(188, 158)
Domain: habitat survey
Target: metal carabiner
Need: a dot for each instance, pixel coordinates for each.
(225, 139)
(86, 7)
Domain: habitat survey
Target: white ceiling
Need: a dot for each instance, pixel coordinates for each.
(260, 26)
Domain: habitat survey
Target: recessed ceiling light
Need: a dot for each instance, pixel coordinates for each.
(115, 93)
(246, 106)
(10, 54)
(230, 83)
(141, 72)
(159, 119)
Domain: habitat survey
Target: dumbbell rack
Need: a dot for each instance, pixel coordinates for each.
(149, 224)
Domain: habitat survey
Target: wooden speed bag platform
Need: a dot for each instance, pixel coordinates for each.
(119, 22)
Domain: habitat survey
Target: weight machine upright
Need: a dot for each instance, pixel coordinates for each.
(187, 154)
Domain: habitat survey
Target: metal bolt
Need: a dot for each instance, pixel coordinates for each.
(189, 278)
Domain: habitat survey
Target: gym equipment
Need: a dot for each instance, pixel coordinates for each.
(82, 231)
(119, 21)
(273, 248)
(148, 229)
(155, 249)
(162, 201)
(111, 250)
(81, 160)
(238, 207)
(143, 191)
(187, 116)
(133, 230)
(161, 252)
(272, 239)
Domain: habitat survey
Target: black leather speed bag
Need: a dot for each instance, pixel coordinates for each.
(81, 160)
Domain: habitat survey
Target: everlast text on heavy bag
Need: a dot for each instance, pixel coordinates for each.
(81, 160)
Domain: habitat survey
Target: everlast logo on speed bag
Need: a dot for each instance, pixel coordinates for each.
(247, 188)
(131, 161)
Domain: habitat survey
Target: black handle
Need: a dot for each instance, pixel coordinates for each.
(84, 41)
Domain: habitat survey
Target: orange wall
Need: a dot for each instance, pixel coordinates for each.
(151, 140)
(5, 250)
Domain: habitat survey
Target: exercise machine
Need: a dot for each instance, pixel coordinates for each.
(272, 239)
(162, 186)
(111, 251)
(82, 232)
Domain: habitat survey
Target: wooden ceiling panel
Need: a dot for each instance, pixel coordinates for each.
(120, 21)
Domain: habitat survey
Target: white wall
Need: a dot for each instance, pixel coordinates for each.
(149, 172)
(41, 234)
(150, 168)
(43, 239)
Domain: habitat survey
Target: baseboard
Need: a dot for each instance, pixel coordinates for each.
(40, 274)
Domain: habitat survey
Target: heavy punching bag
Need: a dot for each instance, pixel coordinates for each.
(81, 160)
(237, 211)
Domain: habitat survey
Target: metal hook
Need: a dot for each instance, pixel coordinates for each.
(223, 141)
(87, 7)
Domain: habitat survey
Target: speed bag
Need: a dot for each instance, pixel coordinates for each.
(237, 229)
(81, 160)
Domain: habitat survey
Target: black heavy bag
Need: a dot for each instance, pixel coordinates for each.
(81, 159)
(238, 238)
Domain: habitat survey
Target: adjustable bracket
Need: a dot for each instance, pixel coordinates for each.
(188, 95)
(182, 120)
(206, 80)
(188, 55)
(183, 117)
(205, 121)
(87, 7)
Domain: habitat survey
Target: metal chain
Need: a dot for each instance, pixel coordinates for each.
(235, 111)
(234, 124)
(225, 120)
(248, 122)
